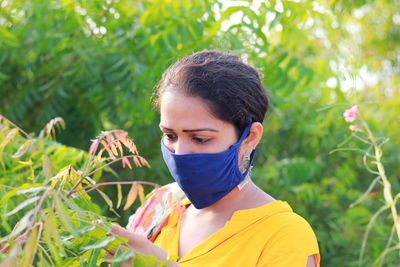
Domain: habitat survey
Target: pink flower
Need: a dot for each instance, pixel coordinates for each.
(350, 114)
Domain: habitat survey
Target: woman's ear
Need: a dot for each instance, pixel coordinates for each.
(251, 141)
(254, 136)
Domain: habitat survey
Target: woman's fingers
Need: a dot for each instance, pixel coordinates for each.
(135, 240)
(110, 252)
(139, 243)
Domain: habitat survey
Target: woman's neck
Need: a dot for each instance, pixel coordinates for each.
(250, 196)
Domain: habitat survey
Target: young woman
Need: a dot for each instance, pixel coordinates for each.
(212, 106)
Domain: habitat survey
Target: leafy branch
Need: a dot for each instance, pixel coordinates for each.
(350, 116)
(51, 218)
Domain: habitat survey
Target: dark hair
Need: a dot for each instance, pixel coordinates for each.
(231, 88)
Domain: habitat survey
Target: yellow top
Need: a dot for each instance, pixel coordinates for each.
(270, 235)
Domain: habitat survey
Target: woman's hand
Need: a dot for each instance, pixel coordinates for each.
(140, 244)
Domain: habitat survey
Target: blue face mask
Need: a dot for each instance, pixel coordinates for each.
(207, 177)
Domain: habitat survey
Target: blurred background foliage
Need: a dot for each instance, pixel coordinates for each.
(95, 63)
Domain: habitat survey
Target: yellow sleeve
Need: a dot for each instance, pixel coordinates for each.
(292, 244)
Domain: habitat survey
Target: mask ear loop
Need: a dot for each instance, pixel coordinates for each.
(243, 183)
(245, 174)
(246, 131)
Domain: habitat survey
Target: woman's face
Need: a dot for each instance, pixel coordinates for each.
(189, 127)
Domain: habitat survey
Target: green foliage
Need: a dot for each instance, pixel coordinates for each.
(95, 64)
(50, 220)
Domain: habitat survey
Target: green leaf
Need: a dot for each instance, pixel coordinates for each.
(96, 232)
(23, 149)
(366, 193)
(14, 191)
(9, 137)
(100, 244)
(63, 214)
(120, 256)
(21, 225)
(23, 205)
(47, 167)
(31, 190)
(144, 260)
(86, 229)
(106, 198)
(52, 236)
(81, 213)
(30, 247)
(93, 257)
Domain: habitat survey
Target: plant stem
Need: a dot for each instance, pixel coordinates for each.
(387, 194)
(19, 129)
(93, 187)
(96, 170)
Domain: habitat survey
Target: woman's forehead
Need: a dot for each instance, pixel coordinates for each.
(180, 112)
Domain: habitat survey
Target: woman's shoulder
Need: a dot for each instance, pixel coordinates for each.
(287, 231)
(283, 221)
(286, 237)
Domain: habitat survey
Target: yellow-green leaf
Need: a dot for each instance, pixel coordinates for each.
(119, 196)
(106, 198)
(47, 167)
(23, 205)
(131, 196)
(63, 214)
(99, 244)
(30, 247)
(9, 137)
(52, 237)
(23, 149)
(141, 194)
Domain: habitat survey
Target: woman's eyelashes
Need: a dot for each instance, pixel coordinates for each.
(198, 140)
(201, 140)
(170, 137)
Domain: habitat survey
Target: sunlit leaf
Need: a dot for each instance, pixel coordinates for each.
(366, 193)
(120, 256)
(9, 137)
(106, 198)
(119, 195)
(47, 167)
(109, 150)
(94, 257)
(30, 247)
(63, 214)
(141, 194)
(99, 244)
(21, 225)
(52, 236)
(133, 192)
(31, 190)
(23, 149)
(74, 206)
(23, 205)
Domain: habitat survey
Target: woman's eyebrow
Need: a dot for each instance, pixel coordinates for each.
(191, 130)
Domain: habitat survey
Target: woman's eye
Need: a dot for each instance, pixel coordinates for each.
(170, 137)
(173, 137)
(200, 140)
